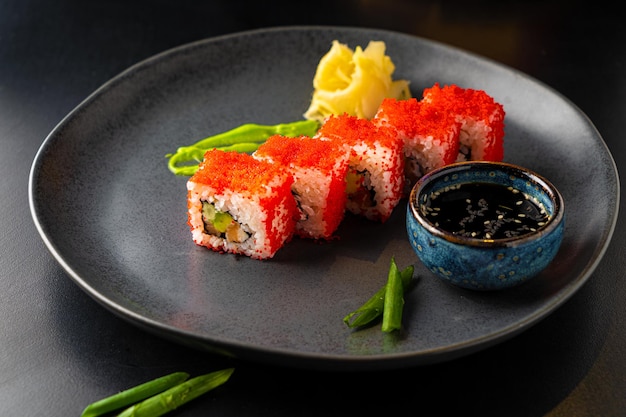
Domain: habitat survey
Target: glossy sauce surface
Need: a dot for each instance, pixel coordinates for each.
(484, 211)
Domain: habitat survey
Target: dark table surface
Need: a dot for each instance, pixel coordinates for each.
(60, 349)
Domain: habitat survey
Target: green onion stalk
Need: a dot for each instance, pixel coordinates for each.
(158, 396)
(174, 397)
(376, 306)
(245, 138)
(394, 300)
(133, 395)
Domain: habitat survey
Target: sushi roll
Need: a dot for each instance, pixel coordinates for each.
(238, 204)
(481, 118)
(319, 171)
(375, 177)
(430, 138)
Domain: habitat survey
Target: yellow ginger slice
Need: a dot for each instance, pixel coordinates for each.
(354, 82)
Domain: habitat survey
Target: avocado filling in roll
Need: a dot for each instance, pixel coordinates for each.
(359, 188)
(222, 224)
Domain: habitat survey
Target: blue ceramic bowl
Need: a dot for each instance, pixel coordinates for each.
(506, 227)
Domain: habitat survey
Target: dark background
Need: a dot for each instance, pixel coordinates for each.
(60, 350)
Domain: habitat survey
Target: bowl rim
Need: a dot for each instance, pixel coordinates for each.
(555, 220)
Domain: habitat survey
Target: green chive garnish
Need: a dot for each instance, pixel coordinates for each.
(133, 395)
(375, 306)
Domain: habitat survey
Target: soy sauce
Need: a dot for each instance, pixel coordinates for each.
(484, 211)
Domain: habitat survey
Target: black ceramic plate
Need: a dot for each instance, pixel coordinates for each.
(115, 218)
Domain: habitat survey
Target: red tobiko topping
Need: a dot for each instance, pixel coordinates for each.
(414, 118)
(302, 151)
(353, 130)
(237, 171)
(466, 102)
